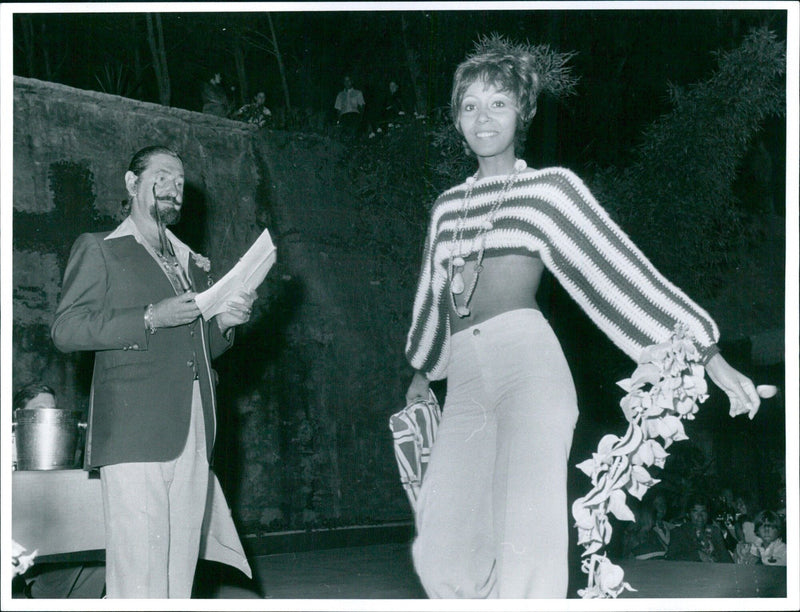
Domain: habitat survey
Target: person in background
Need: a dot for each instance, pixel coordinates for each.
(56, 580)
(349, 105)
(640, 539)
(661, 526)
(698, 539)
(745, 553)
(129, 296)
(215, 99)
(770, 547)
(393, 105)
(255, 113)
(492, 512)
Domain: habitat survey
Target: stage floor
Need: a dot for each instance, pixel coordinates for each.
(385, 572)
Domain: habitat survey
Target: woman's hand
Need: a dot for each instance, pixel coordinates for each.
(740, 389)
(174, 311)
(418, 390)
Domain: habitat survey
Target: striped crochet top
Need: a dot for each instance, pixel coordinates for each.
(551, 212)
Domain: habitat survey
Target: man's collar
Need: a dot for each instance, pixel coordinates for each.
(128, 228)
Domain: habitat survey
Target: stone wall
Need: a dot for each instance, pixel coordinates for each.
(306, 392)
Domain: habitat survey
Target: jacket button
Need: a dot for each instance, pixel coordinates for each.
(476, 332)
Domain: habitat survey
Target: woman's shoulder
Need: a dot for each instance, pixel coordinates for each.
(550, 173)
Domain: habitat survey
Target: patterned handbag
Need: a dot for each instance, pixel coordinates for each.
(414, 431)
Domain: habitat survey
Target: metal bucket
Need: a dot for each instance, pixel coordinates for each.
(46, 438)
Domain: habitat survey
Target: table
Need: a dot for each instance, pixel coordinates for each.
(57, 511)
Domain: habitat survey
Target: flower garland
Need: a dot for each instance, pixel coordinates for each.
(665, 388)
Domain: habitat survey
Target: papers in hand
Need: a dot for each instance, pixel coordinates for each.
(248, 273)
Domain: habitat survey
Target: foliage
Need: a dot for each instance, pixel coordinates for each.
(681, 180)
(115, 79)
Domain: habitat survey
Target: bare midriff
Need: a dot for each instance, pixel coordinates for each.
(507, 282)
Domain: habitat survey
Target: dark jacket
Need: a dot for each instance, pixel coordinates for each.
(141, 394)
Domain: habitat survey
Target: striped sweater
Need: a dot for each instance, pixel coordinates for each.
(552, 213)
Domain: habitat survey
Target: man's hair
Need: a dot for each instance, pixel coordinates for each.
(139, 163)
(521, 70)
(141, 159)
(698, 499)
(27, 392)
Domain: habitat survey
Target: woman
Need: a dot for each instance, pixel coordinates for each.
(492, 510)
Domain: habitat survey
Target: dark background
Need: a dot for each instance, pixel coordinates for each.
(625, 60)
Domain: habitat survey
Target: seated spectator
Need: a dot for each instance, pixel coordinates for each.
(744, 553)
(770, 546)
(661, 526)
(255, 113)
(215, 100)
(641, 541)
(698, 539)
(745, 507)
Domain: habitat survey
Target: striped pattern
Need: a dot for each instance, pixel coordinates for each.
(552, 213)
(414, 430)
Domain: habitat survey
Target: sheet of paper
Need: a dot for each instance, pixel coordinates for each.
(248, 273)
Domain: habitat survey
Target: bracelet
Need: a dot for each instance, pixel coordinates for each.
(148, 319)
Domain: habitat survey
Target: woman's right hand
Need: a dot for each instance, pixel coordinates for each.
(418, 390)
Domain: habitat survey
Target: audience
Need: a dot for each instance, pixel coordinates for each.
(698, 539)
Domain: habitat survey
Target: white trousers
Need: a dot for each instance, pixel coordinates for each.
(492, 519)
(153, 519)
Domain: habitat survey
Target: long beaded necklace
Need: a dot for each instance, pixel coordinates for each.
(166, 255)
(456, 263)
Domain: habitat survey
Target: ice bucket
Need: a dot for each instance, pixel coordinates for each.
(46, 438)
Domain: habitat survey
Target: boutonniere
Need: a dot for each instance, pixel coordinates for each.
(204, 263)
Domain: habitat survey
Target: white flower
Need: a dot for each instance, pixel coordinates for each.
(664, 389)
(204, 263)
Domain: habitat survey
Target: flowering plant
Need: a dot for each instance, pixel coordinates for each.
(664, 389)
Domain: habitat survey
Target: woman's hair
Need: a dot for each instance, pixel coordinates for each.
(768, 517)
(140, 161)
(27, 392)
(521, 70)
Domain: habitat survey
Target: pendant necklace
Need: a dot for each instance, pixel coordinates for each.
(456, 263)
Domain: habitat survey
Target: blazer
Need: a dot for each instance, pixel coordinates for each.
(140, 400)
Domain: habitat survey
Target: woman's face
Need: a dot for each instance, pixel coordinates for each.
(487, 118)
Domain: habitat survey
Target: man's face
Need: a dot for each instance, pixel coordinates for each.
(161, 184)
(43, 400)
(699, 516)
(347, 83)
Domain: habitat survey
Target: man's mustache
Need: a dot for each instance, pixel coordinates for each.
(170, 199)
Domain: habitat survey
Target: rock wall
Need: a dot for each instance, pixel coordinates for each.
(306, 392)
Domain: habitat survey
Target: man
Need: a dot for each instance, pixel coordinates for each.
(128, 295)
(349, 104)
(697, 539)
